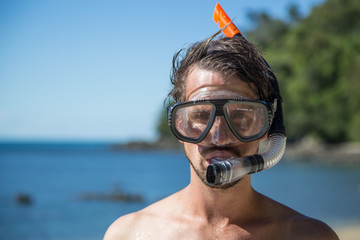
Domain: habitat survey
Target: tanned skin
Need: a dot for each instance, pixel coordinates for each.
(232, 212)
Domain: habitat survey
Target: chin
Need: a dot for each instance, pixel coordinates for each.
(223, 186)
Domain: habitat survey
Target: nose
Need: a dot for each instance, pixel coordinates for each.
(220, 134)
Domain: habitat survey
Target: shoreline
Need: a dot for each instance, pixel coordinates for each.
(306, 150)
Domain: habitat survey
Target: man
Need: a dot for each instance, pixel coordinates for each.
(214, 71)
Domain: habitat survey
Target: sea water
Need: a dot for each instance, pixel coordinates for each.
(57, 176)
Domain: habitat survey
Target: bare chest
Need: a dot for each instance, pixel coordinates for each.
(193, 232)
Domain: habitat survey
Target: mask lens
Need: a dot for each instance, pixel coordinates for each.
(247, 119)
(192, 121)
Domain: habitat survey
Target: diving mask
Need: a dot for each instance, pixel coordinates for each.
(247, 119)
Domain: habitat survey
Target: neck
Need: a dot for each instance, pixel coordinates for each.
(216, 205)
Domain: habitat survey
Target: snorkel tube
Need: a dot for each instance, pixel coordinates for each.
(221, 172)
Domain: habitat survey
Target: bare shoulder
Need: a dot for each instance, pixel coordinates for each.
(303, 227)
(122, 228)
(137, 225)
(143, 224)
(290, 224)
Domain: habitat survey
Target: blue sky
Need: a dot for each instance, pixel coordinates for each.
(91, 70)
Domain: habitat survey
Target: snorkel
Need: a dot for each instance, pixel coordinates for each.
(221, 172)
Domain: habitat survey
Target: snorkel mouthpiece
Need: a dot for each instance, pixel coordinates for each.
(221, 172)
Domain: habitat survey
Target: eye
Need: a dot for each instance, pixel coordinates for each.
(241, 118)
(199, 115)
(237, 114)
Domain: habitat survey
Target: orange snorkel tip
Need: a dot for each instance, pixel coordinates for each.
(221, 18)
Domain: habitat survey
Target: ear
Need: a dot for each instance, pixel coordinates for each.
(181, 141)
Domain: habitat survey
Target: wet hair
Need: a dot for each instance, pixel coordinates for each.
(227, 56)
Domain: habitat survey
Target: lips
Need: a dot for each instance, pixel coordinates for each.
(219, 155)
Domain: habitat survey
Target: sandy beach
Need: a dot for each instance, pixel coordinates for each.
(349, 232)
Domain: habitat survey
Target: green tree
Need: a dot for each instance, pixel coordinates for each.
(317, 62)
(163, 129)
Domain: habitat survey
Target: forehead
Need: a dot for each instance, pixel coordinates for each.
(204, 80)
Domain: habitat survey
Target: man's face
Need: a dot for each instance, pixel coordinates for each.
(220, 142)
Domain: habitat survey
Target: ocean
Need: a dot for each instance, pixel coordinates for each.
(61, 191)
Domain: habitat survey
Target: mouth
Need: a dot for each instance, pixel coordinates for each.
(219, 155)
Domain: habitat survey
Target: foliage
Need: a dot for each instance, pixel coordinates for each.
(317, 62)
(163, 129)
